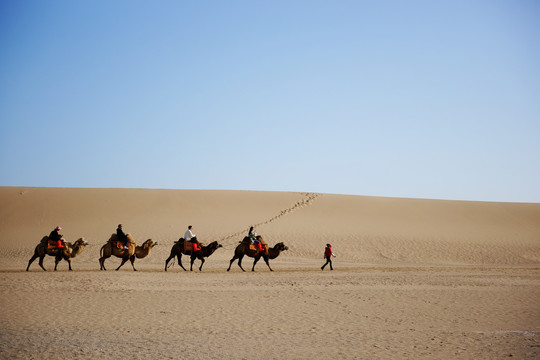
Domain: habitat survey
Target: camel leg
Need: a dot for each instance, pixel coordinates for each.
(124, 260)
(56, 261)
(167, 261)
(230, 263)
(240, 262)
(202, 262)
(254, 262)
(69, 264)
(192, 260)
(239, 257)
(102, 262)
(180, 262)
(132, 259)
(34, 257)
(193, 257)
(266, 261)
(41, 262)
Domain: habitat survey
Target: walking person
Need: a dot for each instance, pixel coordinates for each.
(328, 256)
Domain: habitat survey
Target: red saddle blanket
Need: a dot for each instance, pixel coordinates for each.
(118, 244)
(257, 247)
(189, 246)
(53, 244)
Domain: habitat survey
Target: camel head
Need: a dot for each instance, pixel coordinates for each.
(149, 244)
(281, 246)
(76, 247)
(214, 245)
(143, 250)
(80, 242)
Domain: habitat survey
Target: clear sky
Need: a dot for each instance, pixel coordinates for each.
(422, 99)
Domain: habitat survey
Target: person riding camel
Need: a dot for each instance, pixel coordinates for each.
(192, 238)
(252, 235)
(122, 237)
(58, 238)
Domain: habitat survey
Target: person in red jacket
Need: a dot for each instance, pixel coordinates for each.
(327, 255)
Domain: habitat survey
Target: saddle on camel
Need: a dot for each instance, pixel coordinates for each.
(55, 240)
(119, 244)
(259, 245)
(55, 244)
(191, 245)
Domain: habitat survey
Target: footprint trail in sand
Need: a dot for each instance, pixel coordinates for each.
(306, 201)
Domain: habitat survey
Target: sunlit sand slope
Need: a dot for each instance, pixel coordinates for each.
(363, 230)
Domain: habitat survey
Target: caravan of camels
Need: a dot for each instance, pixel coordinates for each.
(124, 247)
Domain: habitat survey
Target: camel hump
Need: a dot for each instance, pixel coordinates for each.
(179, 241)
(130, 238)
(245, 240)
(44, 240)
(114, 238)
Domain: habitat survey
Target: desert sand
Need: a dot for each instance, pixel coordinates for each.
(413, 278)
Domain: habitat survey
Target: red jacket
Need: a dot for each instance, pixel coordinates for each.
(327, 251)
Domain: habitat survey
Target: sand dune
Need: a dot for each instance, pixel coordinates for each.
(414, 278)
(363, 230)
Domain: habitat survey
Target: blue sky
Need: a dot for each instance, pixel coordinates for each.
(422, 99)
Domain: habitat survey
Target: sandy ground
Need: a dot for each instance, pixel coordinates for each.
(413, 278)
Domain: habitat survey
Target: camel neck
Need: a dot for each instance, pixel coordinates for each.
(273, 253)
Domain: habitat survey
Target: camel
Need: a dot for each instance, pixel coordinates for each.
(71, 250)
(133, 251)
(178, 249)
(243, 249)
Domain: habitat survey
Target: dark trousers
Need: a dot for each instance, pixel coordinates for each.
(328, 261)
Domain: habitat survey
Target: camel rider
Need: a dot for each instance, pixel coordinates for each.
(192, 238)
(252, 235)
(57, 237)
(122, 237)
